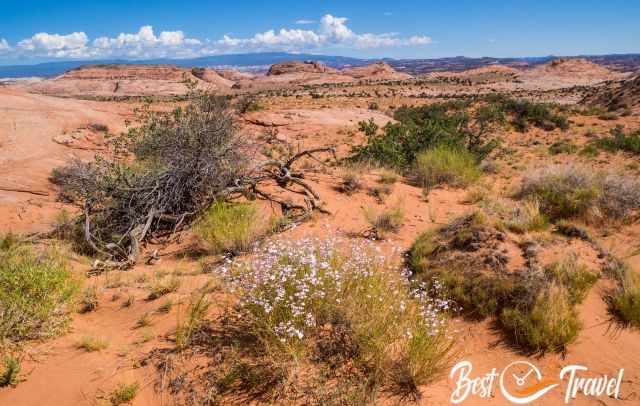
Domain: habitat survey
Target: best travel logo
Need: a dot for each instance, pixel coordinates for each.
(521, 383)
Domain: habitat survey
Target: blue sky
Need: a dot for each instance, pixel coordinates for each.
(34, 31)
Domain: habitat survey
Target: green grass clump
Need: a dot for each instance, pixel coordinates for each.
(549, 324)
(92, 344)
(385, 222)
(231, 228)
(11, 372)
(196, 313)
(621, 141)
(446, 165)
(562, 147)
(526, 218)
(624, 300)
(163, 285)
(37, 291)
(124, 393)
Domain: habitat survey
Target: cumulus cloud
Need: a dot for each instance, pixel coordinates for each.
(331, 32)
(145, 44)
(55, 45)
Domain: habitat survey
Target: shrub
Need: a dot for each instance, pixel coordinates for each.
(124, 393)
(11, 372)
(551, 323)
(92, 344)
(562, 147)
(163, 286)
(89, 299)
(519, 300)
(301, 295)
(541, 115)
(446, 165)
(573, 191)
(37, 291)
(624, 300)
(231, 228)
(351, 180)
(184, 159)
(621, 141)
(421, 128)
(527, 217)
(387, 177)
(384, 222)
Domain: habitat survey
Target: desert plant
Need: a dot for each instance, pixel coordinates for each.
(11, 372)
(421, 128)
(162, 285)
(196, 312)
(563, 147)
(527, 217)
(573, 191)
(384, 222)
(621, 141)
(124, 393)
(92, 344)
(551, 323)
(536, 310)
(89, 299)
(294, 291)
(37, 291)
(231, 228)
(351, 180)
(445, 165)
(387, 177)
(624, 300)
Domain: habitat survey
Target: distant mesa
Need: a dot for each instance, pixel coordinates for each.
(124, 80)
(299, 67)
(571, 68)
(376, 71)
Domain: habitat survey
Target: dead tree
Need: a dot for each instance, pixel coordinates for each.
(161, 176)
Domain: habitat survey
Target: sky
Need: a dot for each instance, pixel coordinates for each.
(34, 31)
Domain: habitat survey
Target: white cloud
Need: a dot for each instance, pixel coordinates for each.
(331, 32)
(304, 22)
(145, 44)
(55, 45)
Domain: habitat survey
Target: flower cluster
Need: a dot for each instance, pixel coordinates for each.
(290, 288)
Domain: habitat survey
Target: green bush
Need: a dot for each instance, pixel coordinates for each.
(446, 164)
(37, 291)
(541, 115)
(621, 141)
(231, 228)
(124, 393)
(425, 127)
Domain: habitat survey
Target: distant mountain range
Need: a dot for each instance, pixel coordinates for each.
(260, 61)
